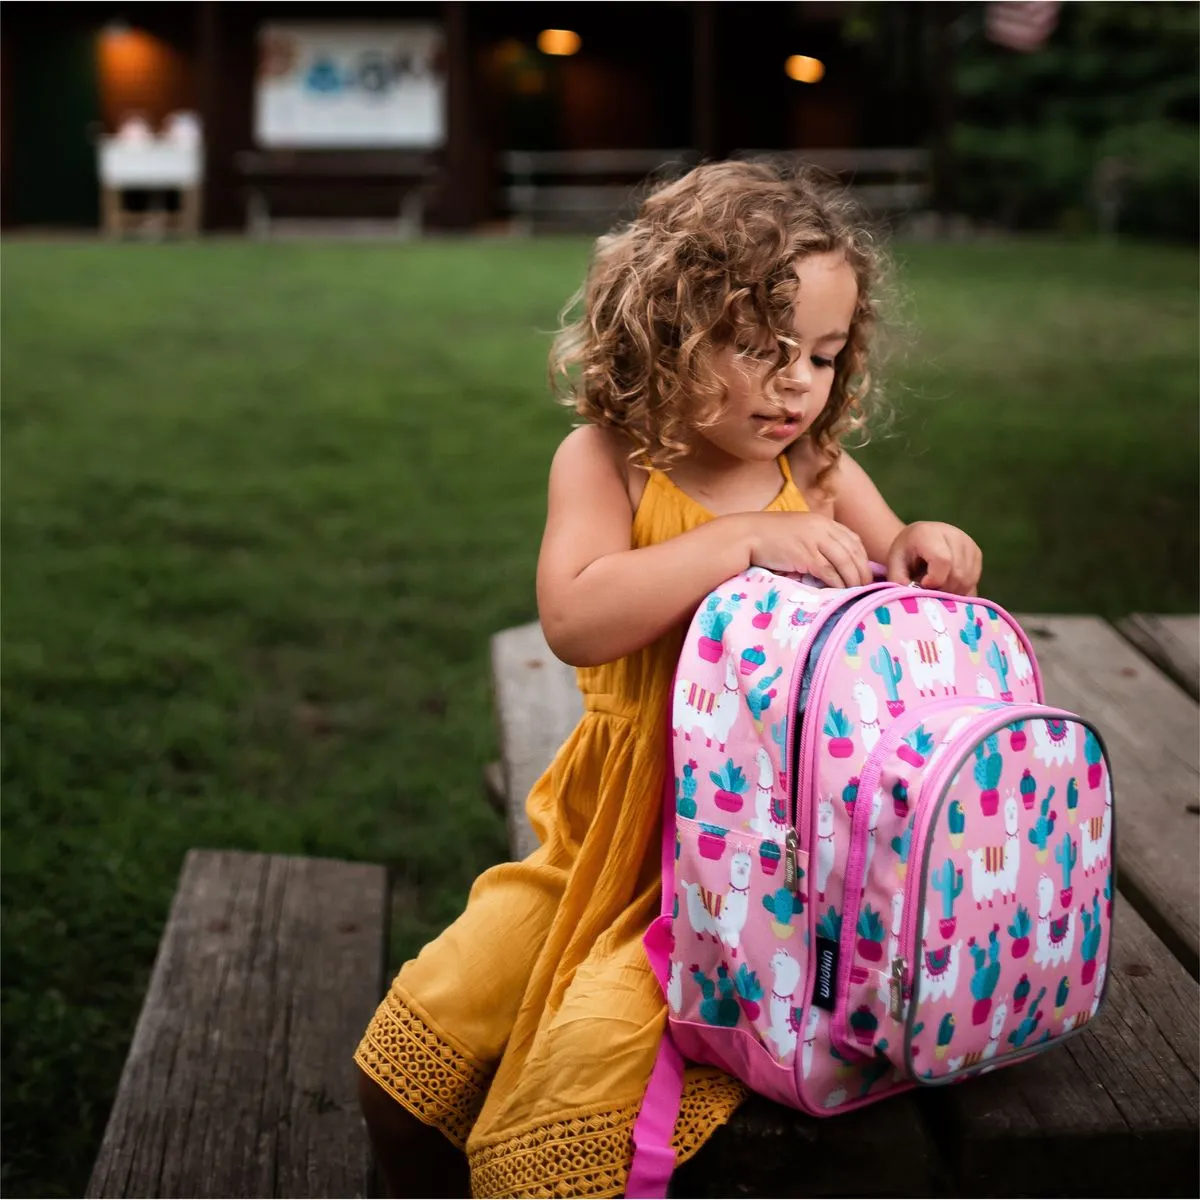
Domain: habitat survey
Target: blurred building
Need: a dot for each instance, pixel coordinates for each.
(328, 109)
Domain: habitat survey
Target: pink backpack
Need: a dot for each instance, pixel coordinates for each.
(886, 863)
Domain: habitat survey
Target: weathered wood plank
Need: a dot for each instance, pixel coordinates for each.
(1112, 1112)
(1170, 642)
(1150, 729)
(240, 1079)
(537, 704)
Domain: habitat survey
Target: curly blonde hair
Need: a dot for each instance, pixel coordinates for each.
(708, 262)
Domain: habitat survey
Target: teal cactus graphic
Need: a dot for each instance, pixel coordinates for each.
(1028, 788)
(717, 614)
(1029, 1024)
(766, 609)
(863, 1023)
(1089, 945)
(1094, 757)
(998, 661)
(956, 819)
(949, 881)
(685, 791)
(1066, 855)
(850, 794)
(989, 763)
(900, 798)
(838, 728)
(1072, 798)
(871, 933)
(759, 697)
(731, 786)
(971, 633)
(779, 737)
(1021, 993)
(1043, 827)
(749, 989)
(829, 925)
(783, 904)
(887, 667)
(854, 641)
(1019, 931)
(719, 1006)
(901, 845)
(883, 617)
(1108, 895)
(986, 974)
(916, 746)
(1060, 995)
(872, 1072)
(945, 1035)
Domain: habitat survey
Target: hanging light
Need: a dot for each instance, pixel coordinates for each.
(558, 41)
(803, 69)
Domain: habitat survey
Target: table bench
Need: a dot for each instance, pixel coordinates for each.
(1112, 1112)
(240, 1078)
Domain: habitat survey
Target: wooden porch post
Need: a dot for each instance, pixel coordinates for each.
(704, 79)
(460, 199)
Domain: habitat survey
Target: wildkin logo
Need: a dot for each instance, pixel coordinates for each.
(827, 965)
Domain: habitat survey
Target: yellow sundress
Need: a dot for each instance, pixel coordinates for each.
(526, 1032)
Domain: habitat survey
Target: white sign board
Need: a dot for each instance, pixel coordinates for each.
(350, 86)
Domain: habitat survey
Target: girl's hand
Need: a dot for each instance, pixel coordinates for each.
(807, 542)
(935, 556)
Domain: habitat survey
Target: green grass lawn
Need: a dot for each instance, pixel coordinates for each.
(265, 504)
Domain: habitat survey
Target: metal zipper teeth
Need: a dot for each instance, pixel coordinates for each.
(853, 883)
(947, 768)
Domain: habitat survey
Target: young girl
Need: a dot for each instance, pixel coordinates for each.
(721, 357)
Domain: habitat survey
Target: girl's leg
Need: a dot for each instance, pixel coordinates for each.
(414, 1159)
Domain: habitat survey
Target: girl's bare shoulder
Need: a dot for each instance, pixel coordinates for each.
(590, 447)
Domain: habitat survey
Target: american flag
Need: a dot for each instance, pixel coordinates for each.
(1022, 24)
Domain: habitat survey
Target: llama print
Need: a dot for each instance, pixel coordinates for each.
(893, 951)
(770, 817)
(1096, 835)
(810, 1036)
(868, 713)
(975, 1057)
(1054, 741)
(721, 915)
(826, 847)
(939, 968)
(872, 827)
(786, 979)
(994, 868)
(675, 987)
(1055, 937)
(794, 618)
(1022, 667)
(931, 661)
(713, 713)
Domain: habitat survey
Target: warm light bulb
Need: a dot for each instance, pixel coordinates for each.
(803, 69)
(558, 41)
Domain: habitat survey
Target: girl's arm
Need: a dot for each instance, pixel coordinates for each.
(859, 505)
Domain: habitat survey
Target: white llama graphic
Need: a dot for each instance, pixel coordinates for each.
(931, 661)
(1053, 745)
(1022, 667)
(868, 713)
(794, 618)
(675, 987)
(999, 1016)
(721, 915)
(994, 868)
(1095, 834)
(810, 1036)
(897, 922)
(955, 729)
(785, 981)
(872, 827)
(939, 968)
(825, 845)
(712, 713)
(985, 687)
(763, 822)
(1055, 939)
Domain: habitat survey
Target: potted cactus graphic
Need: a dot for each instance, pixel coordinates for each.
(956, 819)
(985, 976)
(711, 842)
(731, 787)
(1028, 787)
(870, 938)
(1025, 1030)
(768, 856)
(885, 621)
(916, 747)
(998, 661)
(1066, 855)
(749, 991)
(829, 925)
(1017, 737)
(751, 659)
(718, 1006)
(949, 881)
(838, 728)
(685, 790)
(970, 634)
(850, 794)
(945, 1035)
(759, 697)
(988, 765)
(1090, 946)
(714, 620)
(852, 644)
(1072, 799)
(1042, 828)
(1094, 757)
(863, 1023)
(901, 845)
(766, 609)
(1108, 895)
(783, 905)
(900, 798)
(887, 667)
(1019, 931)
(1021, 993)
(1060, 997)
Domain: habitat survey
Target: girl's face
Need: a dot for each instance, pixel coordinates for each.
(757, 425)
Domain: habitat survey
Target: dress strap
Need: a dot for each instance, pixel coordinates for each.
(786, 468)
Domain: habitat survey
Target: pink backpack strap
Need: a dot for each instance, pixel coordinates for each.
(653, 1155)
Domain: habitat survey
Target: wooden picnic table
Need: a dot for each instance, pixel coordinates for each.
(1112, 1112)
